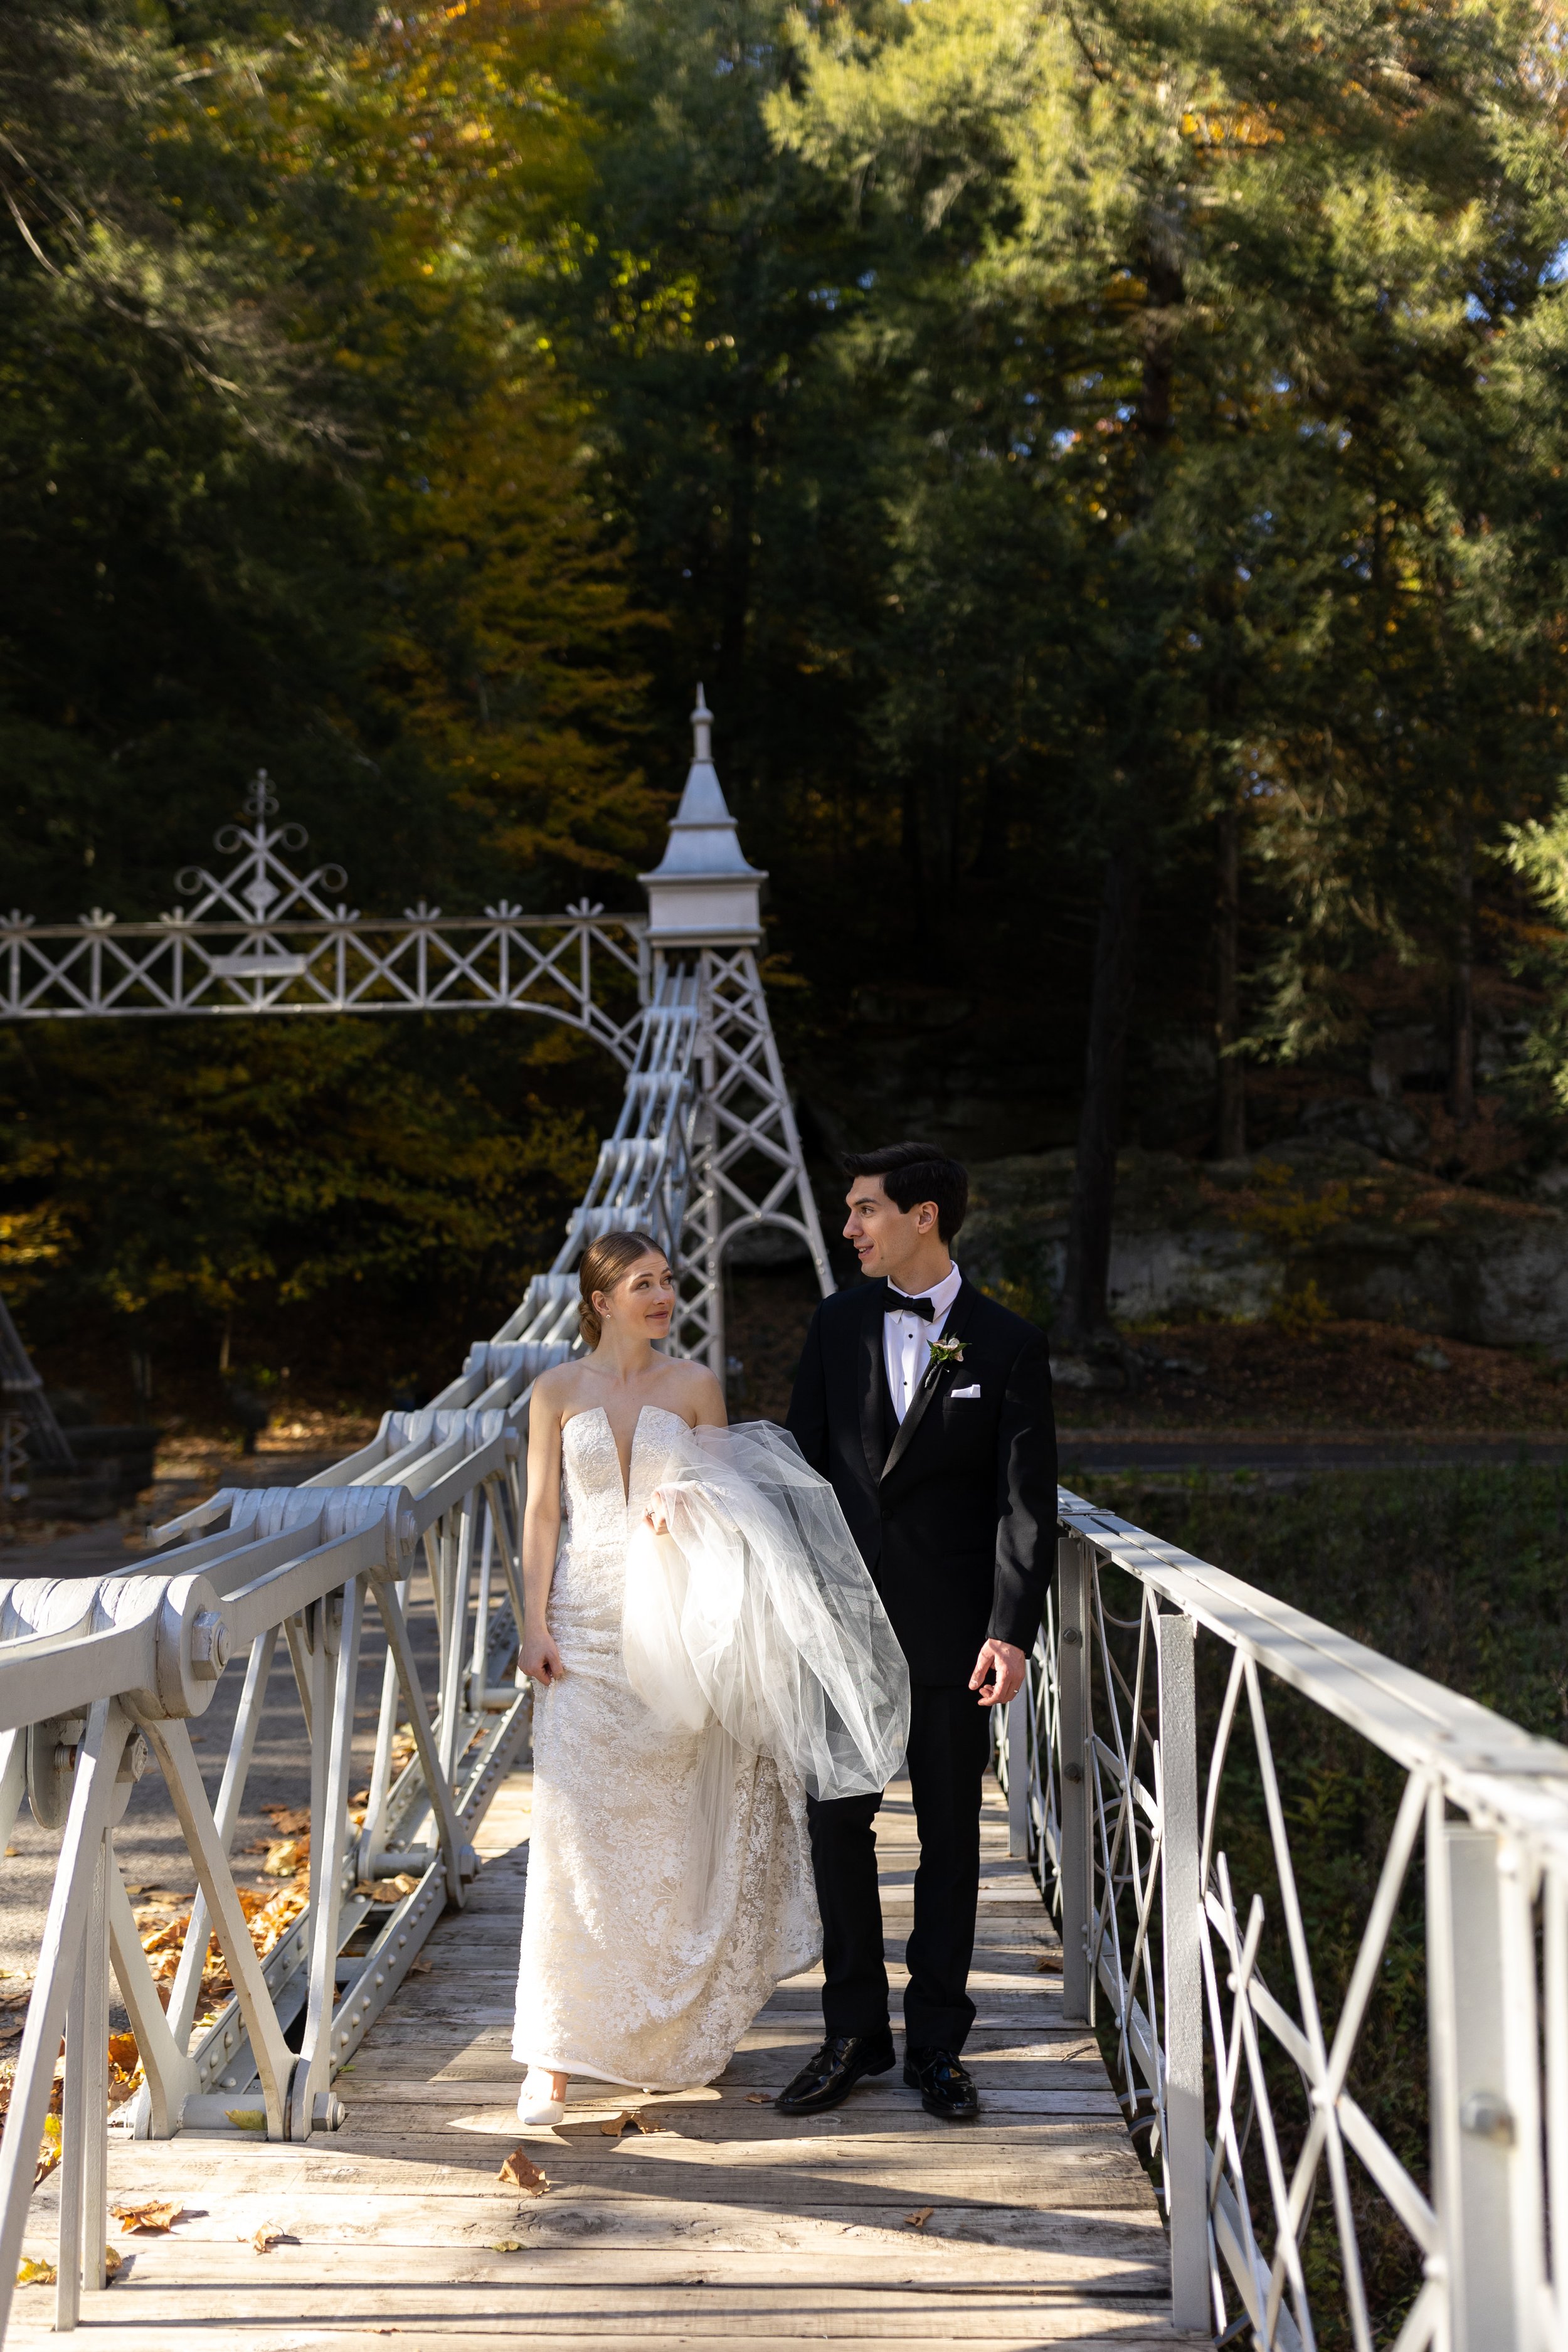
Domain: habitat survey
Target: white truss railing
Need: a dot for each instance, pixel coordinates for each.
(99, 1678)
(706, 1146)
(263, 940)
(1117, 1785)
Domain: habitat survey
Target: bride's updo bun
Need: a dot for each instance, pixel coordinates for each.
(603, 1264)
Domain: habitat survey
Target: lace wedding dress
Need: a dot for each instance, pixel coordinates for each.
(655, 1921)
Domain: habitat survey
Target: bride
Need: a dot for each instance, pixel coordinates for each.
(706, 1646)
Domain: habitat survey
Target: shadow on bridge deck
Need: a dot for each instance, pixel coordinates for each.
(876, 2225)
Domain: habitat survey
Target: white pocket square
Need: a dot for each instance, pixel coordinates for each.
(956, 1393)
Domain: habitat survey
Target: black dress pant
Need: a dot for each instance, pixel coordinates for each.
(950, 1747)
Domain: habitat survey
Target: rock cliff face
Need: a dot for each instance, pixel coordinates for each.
(1308, 1226)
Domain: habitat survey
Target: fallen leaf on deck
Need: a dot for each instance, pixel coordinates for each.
(34, 2273)
(123, 2052)
(759, 2098)
(918, 2218)
(507, 2246)
(268, 2235)
(247, 2118)
(420, 1968)
(518, 2173)
(151, 2219)
(629, 2120)
(113, 2260)
(49, 2152)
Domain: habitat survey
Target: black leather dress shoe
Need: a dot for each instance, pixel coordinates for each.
(945, 2088)
(837, 2066)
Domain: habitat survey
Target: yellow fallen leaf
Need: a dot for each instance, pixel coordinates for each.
(49, 2150)
(518, 2172)
(113, 2260)
(918, 2218)
(36, 2273)
(123, 2052)
(269, 2235)
(152, 2218)
(507, 2246)
(247, 2118)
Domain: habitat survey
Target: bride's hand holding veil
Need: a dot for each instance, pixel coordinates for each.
(748, 1608)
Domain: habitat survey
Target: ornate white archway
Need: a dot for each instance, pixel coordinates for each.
(706, 1146)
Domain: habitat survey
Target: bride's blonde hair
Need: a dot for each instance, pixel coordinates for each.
(605, 1262)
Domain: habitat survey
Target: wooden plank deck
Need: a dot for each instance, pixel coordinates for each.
(877, 2224)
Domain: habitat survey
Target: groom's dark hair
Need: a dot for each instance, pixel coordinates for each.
(917, 1172)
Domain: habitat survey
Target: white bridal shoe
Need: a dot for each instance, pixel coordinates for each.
(536, 2102)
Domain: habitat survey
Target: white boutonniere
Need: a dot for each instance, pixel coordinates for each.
(942, 1352)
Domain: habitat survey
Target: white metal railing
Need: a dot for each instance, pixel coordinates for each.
(99, 1677)
(262, 939)
(706, 1146)
(1117, 1784)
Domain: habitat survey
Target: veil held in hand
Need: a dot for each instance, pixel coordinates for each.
(756, 1615)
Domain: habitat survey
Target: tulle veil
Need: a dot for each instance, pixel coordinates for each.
(755, 1623)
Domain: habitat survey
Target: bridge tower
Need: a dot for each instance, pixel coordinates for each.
(747, 1169)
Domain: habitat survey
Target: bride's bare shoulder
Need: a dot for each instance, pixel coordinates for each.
(695, 1394)
(555, 1391)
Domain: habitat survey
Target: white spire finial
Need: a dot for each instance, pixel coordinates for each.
(702, 890)
(703, 727)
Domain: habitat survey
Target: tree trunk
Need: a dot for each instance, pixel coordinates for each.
(1085, 1314)
(735, 590)
(1231, 1136)
(1461, 991)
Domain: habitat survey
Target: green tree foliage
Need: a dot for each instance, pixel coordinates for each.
(1105, 464)
(285, 485)
(1222, 296)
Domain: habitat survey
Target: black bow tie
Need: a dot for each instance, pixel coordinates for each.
(895, 1303)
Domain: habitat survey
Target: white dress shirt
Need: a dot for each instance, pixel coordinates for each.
(906, 1339)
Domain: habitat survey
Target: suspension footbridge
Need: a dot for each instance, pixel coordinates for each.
(309, 2138)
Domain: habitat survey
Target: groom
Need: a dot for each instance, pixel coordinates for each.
(928, 1408)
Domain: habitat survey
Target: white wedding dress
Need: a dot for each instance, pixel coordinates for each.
(669, 1884)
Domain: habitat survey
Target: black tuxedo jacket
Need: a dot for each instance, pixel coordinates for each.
(955, 1509)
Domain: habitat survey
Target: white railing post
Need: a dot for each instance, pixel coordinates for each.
(1018, 1772)
(1186, 2153)
(1072, 1721)
(1486, 2153)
